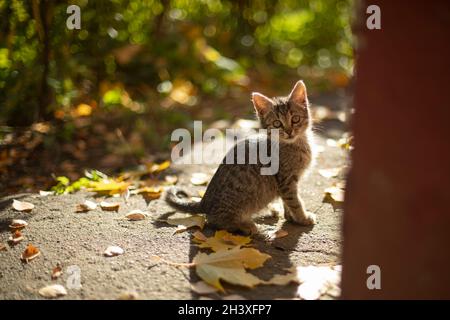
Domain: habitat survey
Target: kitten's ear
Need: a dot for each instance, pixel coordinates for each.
(298, 94)
(261, 103)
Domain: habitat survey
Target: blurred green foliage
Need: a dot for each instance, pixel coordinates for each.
(136, 52)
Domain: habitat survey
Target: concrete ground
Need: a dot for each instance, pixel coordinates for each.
(79, 239)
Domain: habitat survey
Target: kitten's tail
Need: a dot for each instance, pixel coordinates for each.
(178, 199)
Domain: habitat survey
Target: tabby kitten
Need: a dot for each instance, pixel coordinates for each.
(237, 191)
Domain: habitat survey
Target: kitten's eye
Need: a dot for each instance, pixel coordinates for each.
(295, 119)
(277, 123)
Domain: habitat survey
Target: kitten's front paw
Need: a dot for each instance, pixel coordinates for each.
(307, 219)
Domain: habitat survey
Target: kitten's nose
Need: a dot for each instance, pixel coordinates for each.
(289, 131)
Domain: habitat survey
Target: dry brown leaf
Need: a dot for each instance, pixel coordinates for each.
(53, 291)
(16, 237)
(199, 236)
(229, 266)
(56, 272)
(151, 193)
(30, 253)
(110, 206)
(202, 287)
(3, 247)
(135, 215)
(113, 251)
(199, 179)
(18, 224)
(222, 240)
(86, 206)
(22, 206)
(330, 173)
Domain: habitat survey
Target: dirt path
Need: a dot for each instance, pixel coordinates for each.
(79, 239)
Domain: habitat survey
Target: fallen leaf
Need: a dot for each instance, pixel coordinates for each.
(346, 142)
(155, 168)
(202, 287)
(30, 253)
(129, 295)
(187, 222)
(108, 186)
(316, 281)
(277, 234)
(329, 173)
(56, 272)
(201, 193)
(86, 206)
(3, 247)
(284, 279)
(229, 266)
(18, 224)
(151, 193)
(199, 236)
(109, 206)
(171, 179)
(113, 251)
(135, 215)
(199, 178)
(22, 205)
(335, 193)
(16, 237)
(46, 193)
(222, 240)
(53, 291)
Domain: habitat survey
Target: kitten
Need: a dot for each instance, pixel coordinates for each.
(237, 191)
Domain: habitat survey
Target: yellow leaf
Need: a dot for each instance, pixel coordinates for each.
(222, 240)
(229, 266)
(201, 287)
(187, 222)
(155, 168)
(108, 186)
(82, 110)
(149, 192)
